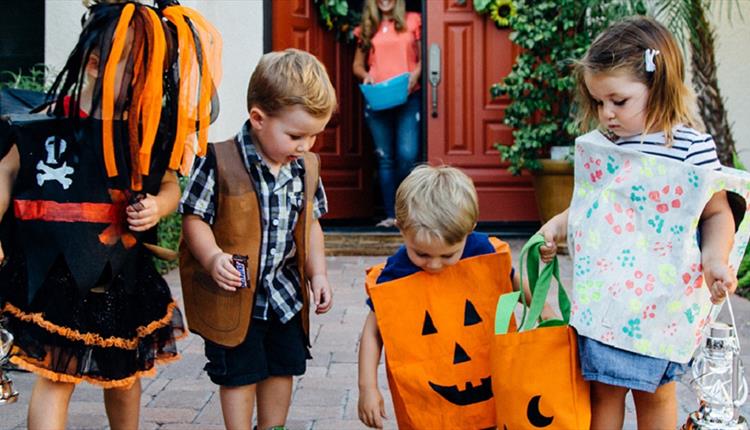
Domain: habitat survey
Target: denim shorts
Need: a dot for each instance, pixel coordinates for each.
(614, 366)
(269, 349)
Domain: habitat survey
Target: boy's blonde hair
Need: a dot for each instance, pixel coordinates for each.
(291, 78)
(621, 48)
(437, 203)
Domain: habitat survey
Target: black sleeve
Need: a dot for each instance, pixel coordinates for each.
(6, 136)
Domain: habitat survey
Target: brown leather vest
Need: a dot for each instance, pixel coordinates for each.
(221, 316)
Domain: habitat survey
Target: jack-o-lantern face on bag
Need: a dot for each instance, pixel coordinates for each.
(436, 330)
(466, 393)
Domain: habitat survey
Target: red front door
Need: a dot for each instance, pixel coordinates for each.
(466, 123)
(347, 168)
(474, 54)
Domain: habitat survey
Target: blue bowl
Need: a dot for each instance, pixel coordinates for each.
(387, 94)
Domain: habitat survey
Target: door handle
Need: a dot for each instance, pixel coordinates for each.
(434, 70)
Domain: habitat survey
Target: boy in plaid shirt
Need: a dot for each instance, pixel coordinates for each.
(290, 100)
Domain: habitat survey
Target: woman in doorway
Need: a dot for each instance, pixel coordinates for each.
(389, 45)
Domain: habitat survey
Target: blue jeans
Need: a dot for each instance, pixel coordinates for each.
(395, 134)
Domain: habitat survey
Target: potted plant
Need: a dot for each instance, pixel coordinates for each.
(551, 35)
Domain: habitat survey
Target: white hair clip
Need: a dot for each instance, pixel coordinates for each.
(648, 57)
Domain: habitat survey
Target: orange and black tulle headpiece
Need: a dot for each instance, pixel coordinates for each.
(167, 61)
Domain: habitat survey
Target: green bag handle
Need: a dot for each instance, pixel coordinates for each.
(539, 284)
(504, 311)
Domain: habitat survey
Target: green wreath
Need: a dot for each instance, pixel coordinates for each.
(337, 16)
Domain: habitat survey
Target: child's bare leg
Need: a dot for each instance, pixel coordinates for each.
(237, 406)
(656, 410)
(607, 406)
(48, 406)
(274, 397)
(123, 406)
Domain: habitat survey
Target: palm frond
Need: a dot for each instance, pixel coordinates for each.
(677, 16)
(730, 8)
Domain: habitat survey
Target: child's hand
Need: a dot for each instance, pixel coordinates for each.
(143, 214)
(322, 294)
(224, 273)
(547, 251)
(721, 281)
(553, 230)
(371, 407)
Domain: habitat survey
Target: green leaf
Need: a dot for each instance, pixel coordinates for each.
(341, 8)
(481, 6)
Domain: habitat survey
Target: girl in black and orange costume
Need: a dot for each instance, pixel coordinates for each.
(82, 186)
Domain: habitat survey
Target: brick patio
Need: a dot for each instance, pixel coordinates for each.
(182, 397)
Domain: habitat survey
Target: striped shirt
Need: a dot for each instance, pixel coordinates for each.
(281, 203)
(688, 145)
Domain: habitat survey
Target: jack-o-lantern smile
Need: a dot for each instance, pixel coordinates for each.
(470, 394)
(467, 396)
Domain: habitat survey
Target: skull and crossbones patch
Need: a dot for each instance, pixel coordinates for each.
(50, 169)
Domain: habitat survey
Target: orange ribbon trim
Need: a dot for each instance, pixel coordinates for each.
(108, 88)
(28, 364)
(103, 213)
(94, 339)
(118, 230)
(47, 210)
(151, 101)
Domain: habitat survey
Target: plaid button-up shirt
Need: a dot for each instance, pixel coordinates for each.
(281, 204)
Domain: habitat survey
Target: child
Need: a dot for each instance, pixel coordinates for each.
(436, 212)
(631, 82)
(289, 100)
(87, 184)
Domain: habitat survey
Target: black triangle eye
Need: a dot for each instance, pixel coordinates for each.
(428, 327)
(471, 316)
(459, 355)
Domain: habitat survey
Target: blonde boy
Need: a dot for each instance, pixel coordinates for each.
(289, 100)
(436, 213)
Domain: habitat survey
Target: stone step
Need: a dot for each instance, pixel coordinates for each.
(362, 243)
(373, 241)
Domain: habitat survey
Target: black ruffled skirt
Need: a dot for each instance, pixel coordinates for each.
(108, 336)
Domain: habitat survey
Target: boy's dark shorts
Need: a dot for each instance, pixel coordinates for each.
(269, 349)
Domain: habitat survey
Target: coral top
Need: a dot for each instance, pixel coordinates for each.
(393, 53)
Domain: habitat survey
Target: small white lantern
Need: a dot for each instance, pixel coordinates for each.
(7, 393)
(719, 380)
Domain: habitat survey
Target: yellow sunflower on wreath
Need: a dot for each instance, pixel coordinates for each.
(501, 11)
